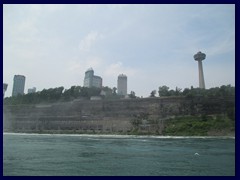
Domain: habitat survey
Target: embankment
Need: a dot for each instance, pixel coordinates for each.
(126, 116)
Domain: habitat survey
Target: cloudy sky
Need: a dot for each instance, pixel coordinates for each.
(53, 45)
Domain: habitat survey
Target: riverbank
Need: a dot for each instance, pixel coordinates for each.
(123, 136)
(211, 125)
(191, 126)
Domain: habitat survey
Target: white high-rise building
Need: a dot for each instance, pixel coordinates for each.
(122, 85)
(18, 85)
(90, 80)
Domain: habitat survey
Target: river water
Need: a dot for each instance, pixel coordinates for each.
(96, 155)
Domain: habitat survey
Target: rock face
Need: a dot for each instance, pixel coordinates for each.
(106, 115)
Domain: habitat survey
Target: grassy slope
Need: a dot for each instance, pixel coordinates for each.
(199, 126)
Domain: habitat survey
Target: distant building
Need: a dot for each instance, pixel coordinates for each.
(18, 85)
(122, 85)
(4, 88)
(92, 81)
(32, 90)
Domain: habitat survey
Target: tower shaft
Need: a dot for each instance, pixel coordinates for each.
(201, 77)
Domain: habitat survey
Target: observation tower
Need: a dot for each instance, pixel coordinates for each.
(200, 57)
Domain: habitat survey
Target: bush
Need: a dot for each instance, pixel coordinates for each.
(197, 126)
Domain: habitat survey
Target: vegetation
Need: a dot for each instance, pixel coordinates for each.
(202, 125)
(48, 96)
(132, 95)
(77, 92)
(153, 93)
(222, 91)
(199, 126)
(58, 95)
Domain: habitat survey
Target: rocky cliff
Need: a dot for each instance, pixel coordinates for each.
(107, 115)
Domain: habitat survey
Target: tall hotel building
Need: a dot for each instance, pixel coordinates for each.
(92, 81)
(122, 85)
(18, 85)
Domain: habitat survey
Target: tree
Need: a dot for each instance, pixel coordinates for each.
(153, 93)
(66, 94)
(178, 91)
(108, 91)
(171, 93)
(163, 91)
(114, 91)
(187, 92)
(132, 95)
(93, 91)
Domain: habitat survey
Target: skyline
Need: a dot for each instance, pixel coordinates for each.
(154, 45)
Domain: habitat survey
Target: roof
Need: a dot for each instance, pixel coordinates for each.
(122, 75)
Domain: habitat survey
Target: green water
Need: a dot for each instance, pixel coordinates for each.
(66, 155)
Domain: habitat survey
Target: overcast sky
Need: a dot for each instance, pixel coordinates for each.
(53, 45)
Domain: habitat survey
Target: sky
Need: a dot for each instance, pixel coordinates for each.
(53, 45)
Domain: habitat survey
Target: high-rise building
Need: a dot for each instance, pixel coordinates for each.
(18, 85)
(32, 90)
(122, 85)
(90, 80)
(4, 88)
(200, 57)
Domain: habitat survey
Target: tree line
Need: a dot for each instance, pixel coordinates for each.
(59, 94)
(223, 91)
(54, 95)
